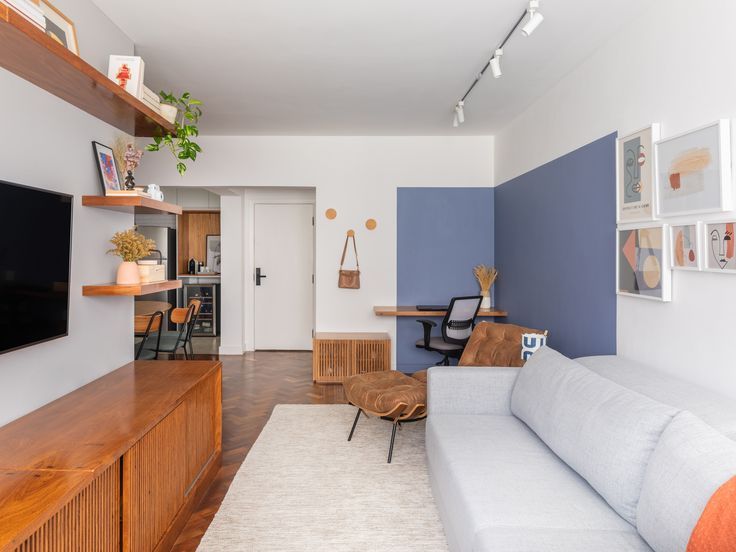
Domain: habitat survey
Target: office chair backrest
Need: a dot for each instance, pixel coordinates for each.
(460, 318)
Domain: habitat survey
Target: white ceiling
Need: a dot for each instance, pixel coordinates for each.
(359, 67)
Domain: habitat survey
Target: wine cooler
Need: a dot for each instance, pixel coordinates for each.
(207, 323)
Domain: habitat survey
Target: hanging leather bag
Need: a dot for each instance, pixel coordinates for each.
(349, 279)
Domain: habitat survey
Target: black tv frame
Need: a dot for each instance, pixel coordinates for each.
(69, 268)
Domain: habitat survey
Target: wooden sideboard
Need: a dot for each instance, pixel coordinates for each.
(337, 355)
(118, 464)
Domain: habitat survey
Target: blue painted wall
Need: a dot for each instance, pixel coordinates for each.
(442, 233)
(555, 249)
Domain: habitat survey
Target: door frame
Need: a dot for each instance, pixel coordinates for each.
(269, 196)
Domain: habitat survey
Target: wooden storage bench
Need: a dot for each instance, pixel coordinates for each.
(339, 355)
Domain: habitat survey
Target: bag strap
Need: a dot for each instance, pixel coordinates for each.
(345, 250)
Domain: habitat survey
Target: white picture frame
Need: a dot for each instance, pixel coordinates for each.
(693, 171)
(716, 254)
(643, 274)
(686, 246)
(635, 175)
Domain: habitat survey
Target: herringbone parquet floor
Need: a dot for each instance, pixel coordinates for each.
(251, 386)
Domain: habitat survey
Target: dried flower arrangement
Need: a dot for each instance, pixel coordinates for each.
(485, 275)
(131, 246)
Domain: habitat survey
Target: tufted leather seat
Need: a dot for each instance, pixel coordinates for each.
(495, 345)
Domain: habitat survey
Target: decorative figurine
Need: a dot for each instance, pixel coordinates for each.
(132, 159)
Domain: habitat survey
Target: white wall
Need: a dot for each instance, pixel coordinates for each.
(45, 142)
(358, 177)
(673, 64)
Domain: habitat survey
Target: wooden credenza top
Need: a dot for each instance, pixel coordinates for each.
(126, 403)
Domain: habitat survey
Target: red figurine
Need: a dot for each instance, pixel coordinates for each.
(123, 75)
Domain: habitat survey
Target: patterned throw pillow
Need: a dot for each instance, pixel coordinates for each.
(530, 343)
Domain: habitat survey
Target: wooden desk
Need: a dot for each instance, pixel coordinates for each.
(142, 443)
(412, 311)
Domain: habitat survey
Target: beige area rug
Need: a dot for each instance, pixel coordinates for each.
(304, 487)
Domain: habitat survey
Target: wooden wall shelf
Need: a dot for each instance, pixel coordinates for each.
(102, 290)
(26, 51)
(131, 204)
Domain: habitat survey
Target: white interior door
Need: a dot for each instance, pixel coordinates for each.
(284, 292)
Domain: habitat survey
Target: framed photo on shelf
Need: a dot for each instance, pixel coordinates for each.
(693, 171)
(106, 167)
(686, 245)
(719, 247)
(642, 263)
(214, 256)
(59, 26)
(635, 175)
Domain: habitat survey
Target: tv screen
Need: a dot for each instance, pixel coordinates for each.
(35, 255)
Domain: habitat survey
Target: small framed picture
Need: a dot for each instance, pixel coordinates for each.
(107, 168)
(635, 175)
(719, 247)
(59, 26)
(213, 253)
(693, 171)
(127, 72)
(642, 263)
(686, 244)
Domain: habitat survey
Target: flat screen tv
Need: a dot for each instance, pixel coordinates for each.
(35, 256)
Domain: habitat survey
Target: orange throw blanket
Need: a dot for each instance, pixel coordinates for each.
(716, 528)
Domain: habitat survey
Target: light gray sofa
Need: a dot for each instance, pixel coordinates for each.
(596, 454)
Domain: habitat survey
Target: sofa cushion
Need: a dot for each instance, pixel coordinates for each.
(493, 471)
(714, 409)
(691, 461)
(604, 431)
(493, 344)
(535, 539)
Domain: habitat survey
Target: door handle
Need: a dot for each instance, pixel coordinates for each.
(259, 276)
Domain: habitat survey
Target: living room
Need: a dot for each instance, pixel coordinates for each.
(362, 161)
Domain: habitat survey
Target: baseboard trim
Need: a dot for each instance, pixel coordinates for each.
(230, 350)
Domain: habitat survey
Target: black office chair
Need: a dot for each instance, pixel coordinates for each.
(155, 321)
(456, 328)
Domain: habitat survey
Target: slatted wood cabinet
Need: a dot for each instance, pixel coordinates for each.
(338, 355)
(118, 464)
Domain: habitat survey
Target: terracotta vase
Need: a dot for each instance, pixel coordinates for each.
(128, 274)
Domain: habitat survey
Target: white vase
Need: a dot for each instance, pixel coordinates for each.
(169, 112)
(486, 302)
(128, 274)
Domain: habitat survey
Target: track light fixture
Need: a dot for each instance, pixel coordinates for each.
(496, 63)
(535, 18)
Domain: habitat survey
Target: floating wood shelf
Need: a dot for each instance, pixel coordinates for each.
(26, 51)
(131, 204)
(130, 291)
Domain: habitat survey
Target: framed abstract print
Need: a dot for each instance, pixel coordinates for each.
(635, 175)
(686, 245)
(642, 263)
(106, 167)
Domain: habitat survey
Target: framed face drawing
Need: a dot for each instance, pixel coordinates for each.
(635, 175)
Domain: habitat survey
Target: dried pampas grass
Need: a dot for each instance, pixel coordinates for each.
(485, 275)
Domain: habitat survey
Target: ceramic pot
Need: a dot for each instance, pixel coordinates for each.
(128, 274)
(486, 302)
(169, 112)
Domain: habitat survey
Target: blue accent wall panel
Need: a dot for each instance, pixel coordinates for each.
(442, 233)
(555, 249)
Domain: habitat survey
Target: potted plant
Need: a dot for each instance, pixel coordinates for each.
(131, 246)
(485, 275)
(187, 113)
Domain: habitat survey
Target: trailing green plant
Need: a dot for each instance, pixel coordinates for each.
(185, 126)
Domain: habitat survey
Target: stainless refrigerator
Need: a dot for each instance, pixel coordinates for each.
(165, 253)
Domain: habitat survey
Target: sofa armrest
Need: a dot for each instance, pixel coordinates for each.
(470, 390)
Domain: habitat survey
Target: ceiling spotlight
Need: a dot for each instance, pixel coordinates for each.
(460, 112)
(496, 63)
(535, 18)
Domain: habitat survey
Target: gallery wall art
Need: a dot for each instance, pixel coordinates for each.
(635, 175)
(693, 171)
(643, 264)
(686, 246)
(719, 247)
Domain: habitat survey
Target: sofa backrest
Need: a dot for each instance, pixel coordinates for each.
(689, 464)
(604, 431)
(715, 410)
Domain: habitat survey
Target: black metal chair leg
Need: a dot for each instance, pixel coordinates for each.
(355, 423)
(186, 355)
(391, 447)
